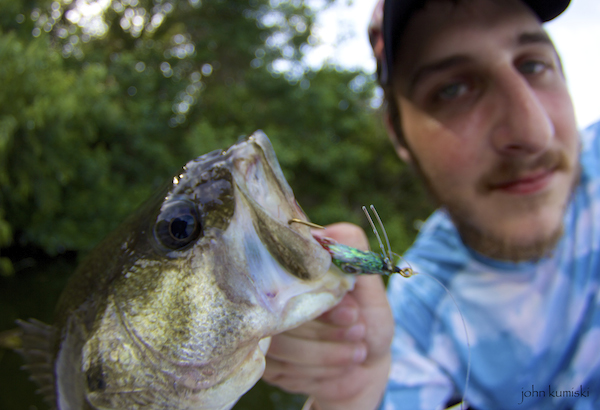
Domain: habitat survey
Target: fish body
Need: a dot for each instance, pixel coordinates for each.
(175, 309)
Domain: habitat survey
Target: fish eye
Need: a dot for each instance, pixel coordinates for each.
(178, 224)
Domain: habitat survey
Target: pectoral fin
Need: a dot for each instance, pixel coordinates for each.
(38, 340)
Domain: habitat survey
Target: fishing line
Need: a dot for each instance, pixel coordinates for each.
(462, 318)
(388, 257)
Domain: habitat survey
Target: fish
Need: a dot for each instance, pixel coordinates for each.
(175, 309)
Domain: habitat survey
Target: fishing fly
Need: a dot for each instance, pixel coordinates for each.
(358, 262)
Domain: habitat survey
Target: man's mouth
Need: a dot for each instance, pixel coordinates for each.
(529, 183)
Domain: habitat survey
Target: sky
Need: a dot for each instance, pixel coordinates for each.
(342, 31)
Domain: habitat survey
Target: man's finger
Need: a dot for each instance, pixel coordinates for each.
(277, 369)
(345, 233)
(345, 313)
(315, 353)
(317, 330)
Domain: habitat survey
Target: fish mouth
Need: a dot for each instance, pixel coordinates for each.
(289, 270)
(267, 194)
(261, 178)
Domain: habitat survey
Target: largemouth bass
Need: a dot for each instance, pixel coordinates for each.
(175, 309)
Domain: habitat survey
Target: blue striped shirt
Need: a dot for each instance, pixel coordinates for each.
(533, 327)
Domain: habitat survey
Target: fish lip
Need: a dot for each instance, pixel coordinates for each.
(260, 138)
(284, 210)
(266, 151)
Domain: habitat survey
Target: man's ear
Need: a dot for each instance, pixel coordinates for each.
(401, 150)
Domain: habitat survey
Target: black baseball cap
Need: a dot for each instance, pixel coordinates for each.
(396, 14)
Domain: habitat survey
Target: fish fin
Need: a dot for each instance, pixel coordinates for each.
(38, 341)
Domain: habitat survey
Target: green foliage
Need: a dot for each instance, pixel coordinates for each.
(96, 114)
(62, 187)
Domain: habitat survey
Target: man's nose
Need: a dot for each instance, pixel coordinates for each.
(524, 126)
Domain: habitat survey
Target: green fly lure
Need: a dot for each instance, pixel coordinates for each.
(354, 261)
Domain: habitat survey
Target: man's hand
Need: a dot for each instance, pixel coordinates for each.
(342, 358)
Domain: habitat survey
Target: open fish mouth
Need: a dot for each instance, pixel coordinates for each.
(274, 208)
(257, 164)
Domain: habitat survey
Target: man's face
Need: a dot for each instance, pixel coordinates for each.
(489, 123)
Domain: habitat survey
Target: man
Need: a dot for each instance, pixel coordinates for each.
(477, 103)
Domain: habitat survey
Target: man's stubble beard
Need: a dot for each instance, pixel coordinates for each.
(486, 242)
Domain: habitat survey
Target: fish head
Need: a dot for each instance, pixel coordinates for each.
(208, 272)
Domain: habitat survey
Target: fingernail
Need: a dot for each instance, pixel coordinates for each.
(356, 332)
(360, 354)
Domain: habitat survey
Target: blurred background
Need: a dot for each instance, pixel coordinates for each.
(103, 101)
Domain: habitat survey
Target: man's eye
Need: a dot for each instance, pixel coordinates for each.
(452, 91)
(532, 67)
